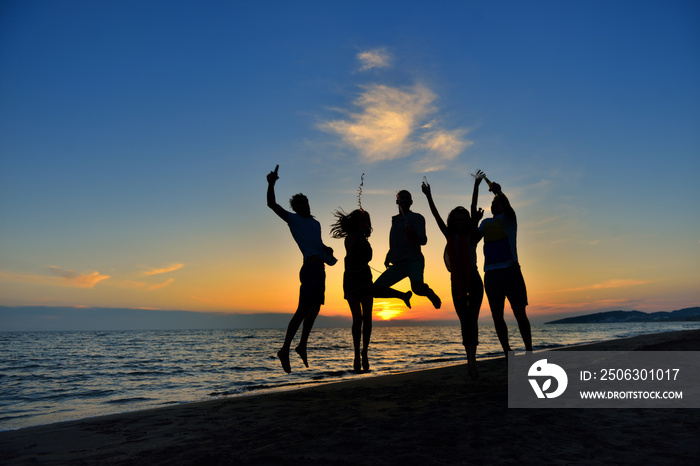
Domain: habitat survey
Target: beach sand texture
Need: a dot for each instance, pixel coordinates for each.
(436, 416)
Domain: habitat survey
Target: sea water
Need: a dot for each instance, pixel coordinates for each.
(48, 377)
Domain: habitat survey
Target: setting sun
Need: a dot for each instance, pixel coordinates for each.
(387, 310)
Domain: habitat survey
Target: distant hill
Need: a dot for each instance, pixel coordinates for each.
(691, 314)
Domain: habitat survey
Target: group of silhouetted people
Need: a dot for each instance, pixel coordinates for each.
(502, 276)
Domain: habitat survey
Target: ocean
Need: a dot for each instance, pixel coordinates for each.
(48, 377)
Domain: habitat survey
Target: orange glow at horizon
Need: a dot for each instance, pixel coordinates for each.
(387, 310)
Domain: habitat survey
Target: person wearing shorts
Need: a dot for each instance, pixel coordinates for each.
(306, 232)
(503, 278)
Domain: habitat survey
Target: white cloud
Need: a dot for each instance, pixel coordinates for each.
(394, 123)
(442, 146)
(388, 117)
(375, 58)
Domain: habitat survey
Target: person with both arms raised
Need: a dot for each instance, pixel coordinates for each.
(502, 275)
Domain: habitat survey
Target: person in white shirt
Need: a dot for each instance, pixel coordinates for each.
(306, 231)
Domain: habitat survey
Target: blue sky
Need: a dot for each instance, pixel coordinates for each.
(135, 138)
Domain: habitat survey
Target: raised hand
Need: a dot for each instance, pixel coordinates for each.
(273, 176)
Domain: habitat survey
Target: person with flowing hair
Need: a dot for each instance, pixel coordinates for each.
(358, 288)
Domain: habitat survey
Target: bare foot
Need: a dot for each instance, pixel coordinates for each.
(302, 353)
(284, 359)
(356, 366)
(434, 299)
(407, 299)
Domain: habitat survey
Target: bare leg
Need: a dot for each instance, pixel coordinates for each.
(422, 289)
(356, 310)
(468, 318)
(524, 326)
(500, 324)
(385, 292)
(471, 360)
(366, 330)
(309, 320)
(294, 323)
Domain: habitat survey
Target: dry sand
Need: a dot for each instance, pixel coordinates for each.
(437, 416)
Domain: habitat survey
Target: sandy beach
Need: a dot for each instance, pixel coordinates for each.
(436, 416)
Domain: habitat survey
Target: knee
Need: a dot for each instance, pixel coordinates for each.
(498, 317)
(521, 316)
(421, 289)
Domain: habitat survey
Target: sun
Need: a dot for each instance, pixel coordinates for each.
(386, 310)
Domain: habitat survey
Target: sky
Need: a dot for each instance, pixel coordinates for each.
(135, 138)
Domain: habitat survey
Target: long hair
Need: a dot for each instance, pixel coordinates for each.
(349, 223)
(451, 227)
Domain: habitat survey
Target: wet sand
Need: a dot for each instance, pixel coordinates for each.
(436, 416)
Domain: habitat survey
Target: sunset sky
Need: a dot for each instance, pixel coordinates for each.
(135, 137)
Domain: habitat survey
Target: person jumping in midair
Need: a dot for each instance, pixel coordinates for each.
(306, 231)
(356, 227)
(460, 259)
(405, 258)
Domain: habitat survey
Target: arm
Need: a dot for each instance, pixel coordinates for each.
(272, 178)
(426, 190)
(508, 210)
(475, 194)
(476, 213)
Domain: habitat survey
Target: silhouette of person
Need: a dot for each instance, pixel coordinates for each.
(502, 275)
(306, 231)
(358, 288)
(460, 260)
(405, 258)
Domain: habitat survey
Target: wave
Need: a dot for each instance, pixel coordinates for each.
(136, 399)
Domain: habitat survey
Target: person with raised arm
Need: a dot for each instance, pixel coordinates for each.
(306, 232)
(502, 275)
(460, 260)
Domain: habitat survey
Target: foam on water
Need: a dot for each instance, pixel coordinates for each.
(48, 377)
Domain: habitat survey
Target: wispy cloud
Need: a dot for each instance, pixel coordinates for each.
(394, 123)
(375, 58)
(444, 146)
(616, 283)
(58, 277)
(80, 280)
(388, 117)
(156, 271)
(161, 285)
